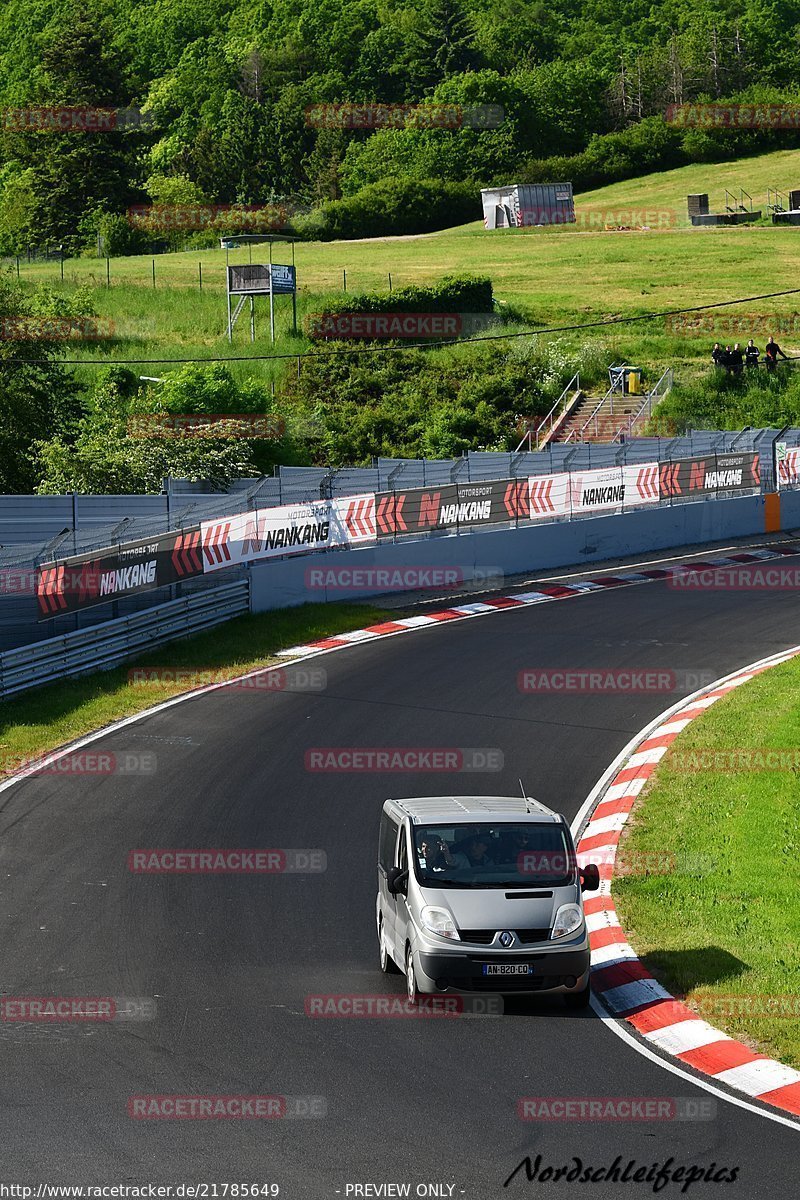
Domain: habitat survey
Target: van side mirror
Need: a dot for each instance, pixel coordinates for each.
(590, 878)
(397, 881)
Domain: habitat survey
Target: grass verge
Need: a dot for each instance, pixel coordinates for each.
(718, 919)
(41, 720)
(557, 275)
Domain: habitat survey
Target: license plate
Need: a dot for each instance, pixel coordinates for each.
(507, 969)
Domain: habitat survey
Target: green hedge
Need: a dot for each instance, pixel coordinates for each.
(452, 294)
(393, 206)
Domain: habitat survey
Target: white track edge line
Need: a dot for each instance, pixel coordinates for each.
(618, 1027)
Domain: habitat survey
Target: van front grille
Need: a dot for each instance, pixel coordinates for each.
(485, 937)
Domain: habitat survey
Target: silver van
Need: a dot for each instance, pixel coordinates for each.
(482, 893)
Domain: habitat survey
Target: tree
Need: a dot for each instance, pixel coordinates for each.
(106, 462)
(447, 37)
(75, 171)
(113, 450)
(36, 392)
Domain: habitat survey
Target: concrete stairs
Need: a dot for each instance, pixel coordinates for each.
(606, 424)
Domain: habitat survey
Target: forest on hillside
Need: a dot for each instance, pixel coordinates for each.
(227, 87)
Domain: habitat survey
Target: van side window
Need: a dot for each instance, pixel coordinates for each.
(388, 842)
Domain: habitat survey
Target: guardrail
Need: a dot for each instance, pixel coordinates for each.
(549, 421)
(645, 410)
(103, 646)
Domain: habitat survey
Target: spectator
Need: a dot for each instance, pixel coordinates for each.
(717, 355)
(751, 354)
(736, 360)
(726, 359)
(771, 353)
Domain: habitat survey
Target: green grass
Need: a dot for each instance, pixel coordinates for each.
(721, 923)
(557, 276)
(41, 720)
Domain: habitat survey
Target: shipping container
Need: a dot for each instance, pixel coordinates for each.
(521, 204)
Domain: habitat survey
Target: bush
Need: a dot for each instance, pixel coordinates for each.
(393, 206)
(452, 294)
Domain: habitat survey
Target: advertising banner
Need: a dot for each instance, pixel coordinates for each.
(416, 510)
(549, 496)
(593, 490)
(789, 468)
(289, 529)
(453, 506)
(100, 576)
(641, 484)
(709, 474)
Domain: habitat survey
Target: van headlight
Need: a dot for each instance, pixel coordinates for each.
(569, 918)
(439, 921)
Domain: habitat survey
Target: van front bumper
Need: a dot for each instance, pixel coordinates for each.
(557, 971)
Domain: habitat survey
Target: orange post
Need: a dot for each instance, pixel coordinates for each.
(772, 512)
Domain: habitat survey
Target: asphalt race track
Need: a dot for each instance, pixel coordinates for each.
(230, 959)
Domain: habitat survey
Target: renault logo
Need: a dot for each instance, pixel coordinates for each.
(506, 938)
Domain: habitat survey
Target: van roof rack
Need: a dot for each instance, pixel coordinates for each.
(466, 808)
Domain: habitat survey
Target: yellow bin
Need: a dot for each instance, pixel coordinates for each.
(634, 381)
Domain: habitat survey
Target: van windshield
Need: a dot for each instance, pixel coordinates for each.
(513, 854)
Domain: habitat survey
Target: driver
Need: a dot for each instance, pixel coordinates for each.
(435, 854)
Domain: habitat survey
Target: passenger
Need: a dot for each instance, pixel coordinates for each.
(751, 354)
(472, 854)
(514, 844)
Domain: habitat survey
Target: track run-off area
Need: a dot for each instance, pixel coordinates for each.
(229, 961)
